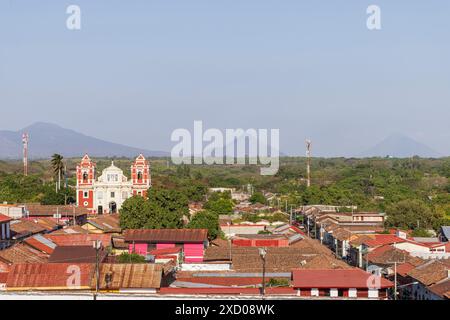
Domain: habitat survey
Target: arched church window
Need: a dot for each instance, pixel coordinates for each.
(85, 177)
(139, 175)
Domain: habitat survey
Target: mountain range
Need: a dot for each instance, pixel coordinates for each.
(47, 139)
(398, 145)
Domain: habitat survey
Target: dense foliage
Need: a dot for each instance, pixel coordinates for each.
(206, 220)
(16, 188)
(163, 209)
(373, 184)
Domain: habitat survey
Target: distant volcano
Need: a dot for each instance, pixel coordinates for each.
(47, 139)
(400, 146)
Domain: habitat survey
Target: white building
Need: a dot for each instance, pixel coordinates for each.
(107, 193)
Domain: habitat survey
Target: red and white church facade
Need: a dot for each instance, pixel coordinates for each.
(107, 193)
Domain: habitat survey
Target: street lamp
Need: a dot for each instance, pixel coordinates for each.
(262, 254)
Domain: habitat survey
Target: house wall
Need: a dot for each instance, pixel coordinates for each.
(139, 248)
(5, 232)
(193, 252)
(342, 293)
(420, 292)
(12, 211)
(411, 247)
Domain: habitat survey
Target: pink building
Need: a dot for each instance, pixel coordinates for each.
(191, 241)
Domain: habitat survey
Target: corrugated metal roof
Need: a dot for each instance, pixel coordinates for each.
(79, 239)
(21, 253)
(166, 235)
(76, 254)
(129, 276)
(50, 210)
(41, 243)
(49, 276)
(335, 278)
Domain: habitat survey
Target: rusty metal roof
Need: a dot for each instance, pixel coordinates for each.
(115, 276)
(21, 253)
(50, 210)
(75, 254)
(166, 235)
(50, 276)
(79, 239)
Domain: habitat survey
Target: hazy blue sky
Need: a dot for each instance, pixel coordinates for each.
(139, 69)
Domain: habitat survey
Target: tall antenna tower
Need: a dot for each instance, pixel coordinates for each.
(308, 162)
(25, 139)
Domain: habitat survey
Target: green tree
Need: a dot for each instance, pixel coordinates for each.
(257, 197)
(220, 206)
(410, 214)
(131, 258)
(163, 209)
(134, 213)
(206, 220)
(58, 167)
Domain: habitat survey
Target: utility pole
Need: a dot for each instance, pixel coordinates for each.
(262, 254)
(395, 273)
(290, 217)
(25, 139)
(229, 239)
(97, 246)
(308, 162)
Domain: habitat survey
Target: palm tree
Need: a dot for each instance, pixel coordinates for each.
(58, 167)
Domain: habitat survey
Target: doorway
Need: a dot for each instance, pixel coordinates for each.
(112, 208)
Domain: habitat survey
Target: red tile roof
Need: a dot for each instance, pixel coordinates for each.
(4, 218)
(49, 276)
(166, 235)
(404, 268)
(336, 278)
(79, 239)
(382, 239)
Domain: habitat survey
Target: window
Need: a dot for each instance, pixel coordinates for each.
(113, 194)
(352, 293)
(86, 194)
(373, 293)
(85, 177)
(139, 175)
(100, 195)
(124, 195)
(333, 292)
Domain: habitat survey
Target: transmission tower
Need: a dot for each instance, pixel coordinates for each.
(308, 162)
(25, 139)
